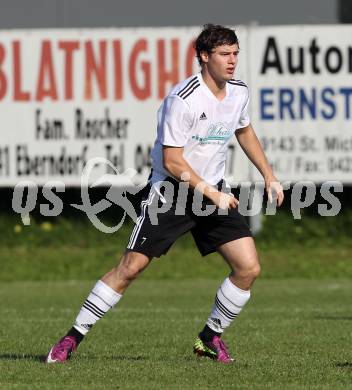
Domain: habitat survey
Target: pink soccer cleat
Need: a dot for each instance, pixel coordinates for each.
(215, 349)
(62, 351)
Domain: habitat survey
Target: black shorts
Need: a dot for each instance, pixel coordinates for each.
(155, 231)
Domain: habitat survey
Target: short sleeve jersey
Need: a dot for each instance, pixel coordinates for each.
(193, 118)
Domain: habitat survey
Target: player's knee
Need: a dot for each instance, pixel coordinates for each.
(250, 273)
(130, 271)
(255, 271)
(130, 267)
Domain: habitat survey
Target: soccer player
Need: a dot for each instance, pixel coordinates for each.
(196, 122)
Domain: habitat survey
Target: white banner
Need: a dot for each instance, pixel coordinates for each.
(302, 100)
(69, 95)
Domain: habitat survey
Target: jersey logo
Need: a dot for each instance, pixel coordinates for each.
(217, 134)
(203, 117)
(143, 240)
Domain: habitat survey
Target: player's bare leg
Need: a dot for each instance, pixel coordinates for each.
(232, 295)
(241, 255)
(105, 295)
(131, 265)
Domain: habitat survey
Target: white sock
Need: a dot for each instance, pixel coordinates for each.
(101, 299)
(229, 301)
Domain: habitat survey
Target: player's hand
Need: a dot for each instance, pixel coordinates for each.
(224, 201)
(274, 190)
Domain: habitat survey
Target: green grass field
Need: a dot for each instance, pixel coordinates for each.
(296, 331)
(293, 334)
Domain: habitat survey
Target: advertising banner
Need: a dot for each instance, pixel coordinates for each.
(301, 79)
(69, 95)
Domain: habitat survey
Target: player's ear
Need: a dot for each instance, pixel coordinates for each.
(204, 55)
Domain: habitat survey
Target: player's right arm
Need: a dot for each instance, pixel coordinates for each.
(175, 125)
(179, 168)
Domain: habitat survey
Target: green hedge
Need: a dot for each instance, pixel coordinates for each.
(71, 248)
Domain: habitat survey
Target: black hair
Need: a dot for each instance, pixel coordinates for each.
(212, 36)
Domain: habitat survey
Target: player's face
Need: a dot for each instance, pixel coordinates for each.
(222, 61)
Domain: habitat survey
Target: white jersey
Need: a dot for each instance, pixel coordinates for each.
(193, 118)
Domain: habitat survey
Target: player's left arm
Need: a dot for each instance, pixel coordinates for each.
(251, 146)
